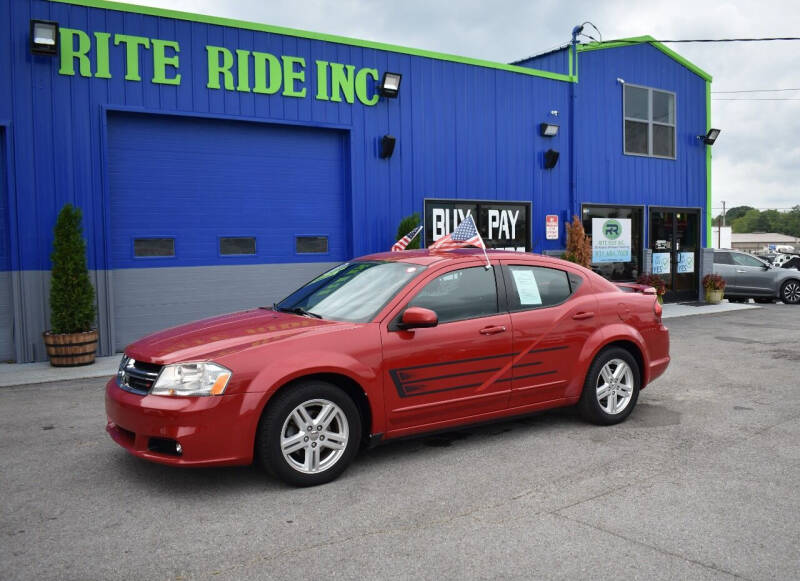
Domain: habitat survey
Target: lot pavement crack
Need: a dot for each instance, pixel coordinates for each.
(650, 546)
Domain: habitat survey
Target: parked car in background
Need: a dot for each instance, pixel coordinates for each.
(385, 346)
(747, 276)
(793, 262)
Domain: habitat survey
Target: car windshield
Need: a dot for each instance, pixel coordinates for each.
(353, 291)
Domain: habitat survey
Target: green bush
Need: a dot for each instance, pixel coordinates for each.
(407, 225)
(71, 292)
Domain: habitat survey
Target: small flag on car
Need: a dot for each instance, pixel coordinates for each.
(406, 240)
(465, 234)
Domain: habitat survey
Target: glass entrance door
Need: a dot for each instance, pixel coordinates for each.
(675, 242)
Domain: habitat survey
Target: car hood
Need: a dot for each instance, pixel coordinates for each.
(225, 334)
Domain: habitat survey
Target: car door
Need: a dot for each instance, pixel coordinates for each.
(458, 369)
(553, 313)
(726, 268)
(752, 276)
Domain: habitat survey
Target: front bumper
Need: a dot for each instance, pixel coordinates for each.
(212, 431)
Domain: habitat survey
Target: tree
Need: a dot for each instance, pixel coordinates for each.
(579, 245)
(734, 213)
(71, 292)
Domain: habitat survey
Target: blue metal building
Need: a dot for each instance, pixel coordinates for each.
(219, 163)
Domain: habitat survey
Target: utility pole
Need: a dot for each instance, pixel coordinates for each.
(723, 213)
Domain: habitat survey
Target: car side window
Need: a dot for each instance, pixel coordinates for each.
(722, 258)
(535, 286)
(460, 294)
(744, 260)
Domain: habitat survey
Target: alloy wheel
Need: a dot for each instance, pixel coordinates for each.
(314, 436)
(791, 292)
(614, 386)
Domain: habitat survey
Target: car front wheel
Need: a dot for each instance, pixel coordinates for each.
(309, 434)
(790, 292)
(611, 387)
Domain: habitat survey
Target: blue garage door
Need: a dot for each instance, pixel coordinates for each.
(6, 308)
(212, 216)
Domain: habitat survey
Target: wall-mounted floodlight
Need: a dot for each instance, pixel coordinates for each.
(44, 37)
(548, 129)
(390, 85)
(550, 158)
(710, 137)
(387, 146)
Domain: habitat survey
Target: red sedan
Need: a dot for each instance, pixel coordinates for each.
(385, 346)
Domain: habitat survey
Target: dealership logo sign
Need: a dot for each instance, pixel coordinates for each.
(611, 240)
(612, 229)
(240, 70)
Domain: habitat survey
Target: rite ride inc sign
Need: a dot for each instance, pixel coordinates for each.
(502, 225)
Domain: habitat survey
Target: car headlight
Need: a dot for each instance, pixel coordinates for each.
(202, 378)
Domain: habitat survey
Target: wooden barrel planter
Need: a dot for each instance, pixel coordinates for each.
(71, 349)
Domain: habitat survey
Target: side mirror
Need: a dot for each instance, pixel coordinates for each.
(418, 318)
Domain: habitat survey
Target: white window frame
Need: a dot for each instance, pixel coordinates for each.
(651, 123)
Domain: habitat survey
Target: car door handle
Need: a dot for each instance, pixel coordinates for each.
(737, 270)
(583, 315)
(493, 330)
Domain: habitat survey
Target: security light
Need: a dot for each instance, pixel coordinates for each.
(550, 159)
(548, 129)
(390, 85)
(44, 37)
(710, 137)
(387, 146)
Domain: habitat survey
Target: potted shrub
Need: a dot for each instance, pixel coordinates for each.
(714, 286)
(71, 340)
(656, 282)
(579, 245)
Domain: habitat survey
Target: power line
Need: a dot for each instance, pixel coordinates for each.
(765, 39)
(754, 91)
(755, 99)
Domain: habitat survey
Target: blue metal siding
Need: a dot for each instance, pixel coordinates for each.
(462, 131)
(198, 179)
(556, 61)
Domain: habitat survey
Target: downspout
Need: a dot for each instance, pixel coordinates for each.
(573, 65)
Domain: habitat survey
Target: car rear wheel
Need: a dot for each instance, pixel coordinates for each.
(309, 434)
(611, 387)
(790, 292)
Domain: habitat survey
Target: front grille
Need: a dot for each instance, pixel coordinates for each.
(138, 376)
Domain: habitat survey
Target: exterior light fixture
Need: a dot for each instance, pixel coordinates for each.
(710, 137)
(44, 37)
(548, 129)
(550, 158)
(387, 146)
(390, 85)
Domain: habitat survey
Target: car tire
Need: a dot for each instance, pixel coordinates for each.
(320, 450)
(611, 388)
(790, 292)
(764, 300)
(737, 299)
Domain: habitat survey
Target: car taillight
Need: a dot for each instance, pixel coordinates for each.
(657, 309)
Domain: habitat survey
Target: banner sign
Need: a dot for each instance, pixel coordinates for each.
(661, 261)
(551, 227)
(502, 225)
(611, 240)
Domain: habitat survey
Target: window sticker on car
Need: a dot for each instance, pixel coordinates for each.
(527, 289)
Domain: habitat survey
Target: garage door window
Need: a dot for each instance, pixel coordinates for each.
(153, 247)
(311, 244)
(237, 245)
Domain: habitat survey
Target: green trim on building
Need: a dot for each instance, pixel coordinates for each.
(653, 42)
(709, 239)
(205, 19)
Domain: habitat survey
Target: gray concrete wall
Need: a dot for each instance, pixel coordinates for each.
(6, 318)
(134, 302)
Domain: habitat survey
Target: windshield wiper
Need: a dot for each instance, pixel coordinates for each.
(295, 310)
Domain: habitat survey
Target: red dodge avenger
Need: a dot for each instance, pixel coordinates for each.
(385, 346)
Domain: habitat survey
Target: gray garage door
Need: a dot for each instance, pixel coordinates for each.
(212, 216)
(6, 309)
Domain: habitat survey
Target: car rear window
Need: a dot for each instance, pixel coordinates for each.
(535, 286)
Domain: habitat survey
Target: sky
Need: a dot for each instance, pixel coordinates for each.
(756, 159)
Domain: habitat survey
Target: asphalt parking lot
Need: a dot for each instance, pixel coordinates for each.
(700, 483)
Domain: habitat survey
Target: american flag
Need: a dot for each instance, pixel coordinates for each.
(405, 240)
(465, 234)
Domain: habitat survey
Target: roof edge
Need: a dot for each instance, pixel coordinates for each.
(254, 26)
(647, 39)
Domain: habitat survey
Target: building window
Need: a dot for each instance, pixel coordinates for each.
(237, 245)
(311, 245)
(649, 122)
(624, 217)
(153, 247)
